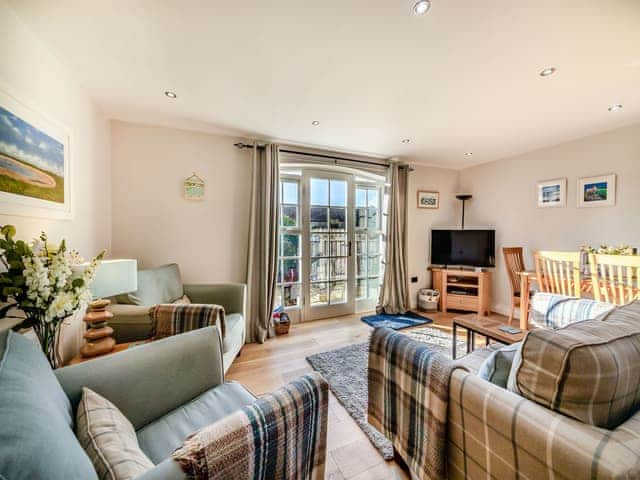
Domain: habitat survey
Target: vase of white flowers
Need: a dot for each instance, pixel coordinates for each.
(37, 279)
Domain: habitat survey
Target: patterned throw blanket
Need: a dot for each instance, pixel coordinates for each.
(409, 398)
(282, 435)
(172, 319)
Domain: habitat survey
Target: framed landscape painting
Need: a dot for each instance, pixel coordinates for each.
(552, 193)
(34, 163)
(597, 191)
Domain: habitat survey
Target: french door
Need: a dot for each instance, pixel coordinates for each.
(328, 234)
(331, 243)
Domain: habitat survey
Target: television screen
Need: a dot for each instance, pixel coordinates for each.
(475, 248)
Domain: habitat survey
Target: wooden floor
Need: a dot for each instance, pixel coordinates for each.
(263, 368)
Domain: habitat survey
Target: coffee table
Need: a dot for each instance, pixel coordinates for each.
(485, 326)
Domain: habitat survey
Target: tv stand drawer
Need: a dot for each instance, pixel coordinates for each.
(462, 302)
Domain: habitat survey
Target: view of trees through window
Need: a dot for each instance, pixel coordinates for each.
(289, 279)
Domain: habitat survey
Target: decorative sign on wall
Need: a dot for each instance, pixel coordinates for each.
(194, 188)
(428, 199)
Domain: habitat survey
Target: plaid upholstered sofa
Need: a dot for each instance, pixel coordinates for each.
(575, 414)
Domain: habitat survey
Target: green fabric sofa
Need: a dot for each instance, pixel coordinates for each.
(163, 284)
(167, 389)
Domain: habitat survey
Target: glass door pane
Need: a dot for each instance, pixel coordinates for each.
(330, 266)
(289, 277)
(369, 250)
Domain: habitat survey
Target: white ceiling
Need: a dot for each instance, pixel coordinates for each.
(462, 78)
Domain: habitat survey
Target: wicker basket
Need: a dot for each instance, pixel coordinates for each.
(282, 328)
(282, 324)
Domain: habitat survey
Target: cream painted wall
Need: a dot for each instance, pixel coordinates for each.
(422, 220)
(33, 75)
(153, 223)
(504, 197)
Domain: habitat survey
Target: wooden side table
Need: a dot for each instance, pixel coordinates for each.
(485, 326)
(120, 347)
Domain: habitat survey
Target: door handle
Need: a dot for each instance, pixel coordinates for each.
(349, 249)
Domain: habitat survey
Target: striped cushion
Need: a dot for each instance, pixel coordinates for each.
(588, 370)
(109, 439)
(549, 310)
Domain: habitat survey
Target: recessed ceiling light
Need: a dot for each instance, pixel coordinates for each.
(614, 108)
(548, 71)
(468, 154)
(421, 7)
(171, 94)
(315, 123)
(406, 140)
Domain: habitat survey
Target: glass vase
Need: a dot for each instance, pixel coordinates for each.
(47, 333)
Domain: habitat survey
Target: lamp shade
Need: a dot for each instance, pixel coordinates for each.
(114, 277)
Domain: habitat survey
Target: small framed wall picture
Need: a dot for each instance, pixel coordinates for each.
(193, 188)
(597, 191)
(428, 199)
(552, 193)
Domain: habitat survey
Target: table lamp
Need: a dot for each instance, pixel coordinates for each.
(113, 277)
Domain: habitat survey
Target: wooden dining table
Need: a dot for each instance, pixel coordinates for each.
(528, 277)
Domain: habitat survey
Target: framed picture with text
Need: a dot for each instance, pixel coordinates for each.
(428, 199)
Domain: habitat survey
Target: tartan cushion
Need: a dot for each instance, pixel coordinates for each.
(174, 318)
(109, 439)
(587, 370)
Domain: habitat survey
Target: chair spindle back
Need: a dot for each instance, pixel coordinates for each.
(514, 263)
(559, 272)
(615, 278)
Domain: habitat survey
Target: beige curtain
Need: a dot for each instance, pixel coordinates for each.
(394, 294)
(262, 261)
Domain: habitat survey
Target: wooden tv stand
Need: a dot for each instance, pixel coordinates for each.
(475, 285)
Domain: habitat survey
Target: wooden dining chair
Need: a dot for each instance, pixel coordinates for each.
(615, 278)
(559, 272)
(514, 263)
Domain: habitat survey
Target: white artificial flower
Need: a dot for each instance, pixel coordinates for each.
(74, 258)
(37, 246)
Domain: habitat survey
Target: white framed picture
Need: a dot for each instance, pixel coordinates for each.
(552, 193)
(34, 163)
(428, 199)
(597, 191)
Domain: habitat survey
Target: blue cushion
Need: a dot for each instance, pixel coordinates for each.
(161, 437)
(496, 367)
(36, 422)
(156, 285)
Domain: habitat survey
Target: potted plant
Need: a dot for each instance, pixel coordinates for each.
(37, 279)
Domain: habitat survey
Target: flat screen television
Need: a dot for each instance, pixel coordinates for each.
(473, 248)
